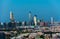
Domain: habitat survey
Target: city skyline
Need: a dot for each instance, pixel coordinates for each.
(44, 9)
(29, 19)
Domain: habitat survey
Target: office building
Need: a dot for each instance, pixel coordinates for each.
(30, 18)
(38, 22)
(11, 17)
(52, 20)
(35, 20)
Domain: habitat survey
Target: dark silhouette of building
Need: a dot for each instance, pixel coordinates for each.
(11, 25)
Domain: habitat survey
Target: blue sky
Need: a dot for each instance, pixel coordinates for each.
(44, 9)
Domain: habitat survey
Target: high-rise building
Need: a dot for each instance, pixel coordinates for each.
(38, 22)
(35, 20)
(30, 18)
(11, 17)
(52, 20)
(11, 24)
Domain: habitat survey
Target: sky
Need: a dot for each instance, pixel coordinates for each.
(44, 9)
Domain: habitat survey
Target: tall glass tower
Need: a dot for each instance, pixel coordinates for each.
(52, 20)
(30, 18)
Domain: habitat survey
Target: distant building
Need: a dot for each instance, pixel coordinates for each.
(1, 25)
(11, 25)
(17, 23)
(4, 24)
(38, 22)
(46, 23)
(41, 23)
(52, 20)
(20, 23)
(30, 18)
(23, 23)
(35, 20)
(11, 17)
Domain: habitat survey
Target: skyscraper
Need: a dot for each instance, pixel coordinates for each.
(11, 17)
(52, 20)
(11, 24)
(35, 20)
(30, 18)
